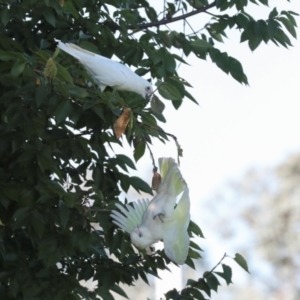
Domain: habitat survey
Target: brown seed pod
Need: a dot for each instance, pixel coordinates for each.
(156, 179)
(122, 122)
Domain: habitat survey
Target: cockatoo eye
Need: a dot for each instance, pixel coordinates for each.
(140, 235)
(148, 88)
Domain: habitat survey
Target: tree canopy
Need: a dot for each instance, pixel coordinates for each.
(58, 183)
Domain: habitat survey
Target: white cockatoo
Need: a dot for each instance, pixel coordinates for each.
(107, 72)
(148, 222)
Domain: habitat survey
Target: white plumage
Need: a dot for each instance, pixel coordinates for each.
(148, 222)
(107, 72)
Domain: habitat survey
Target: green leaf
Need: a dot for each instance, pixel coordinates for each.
(168, 91)
(56, 52)
(116, 288)
(139, 150)
(282, 38)
(265, 2)
(37, 223)
(201, 44)
(63, 111)
(49, 16)
(202, 285)
(293, 13)
(98, 109)
(195, 246)
(190, 263)
(272, 27)
(53, 258)
(242, 20)
(188, 95)
(148, 119)
(143, 276)
(64, 213)
(21, 211)
(125, 159)
(236, 70)
(227, 273)
(157, 105)
(191, 282)
(11, 193)
(62, 86)
(193, 254)
(290, 17)
(14, 285)
(194, 228)
(254, 42)
(5, 15)
(124, 247)
(169, 62)
(68, 6)
(241, 261)
(289, 26)
(140, 185)
(173, 294)
(6, 56)
(180, 80)
(40, 95)
(63, 74)
(273, 13)
(195, 293)
(18, 68)
(212, 282)
(180, 59)
(11, 257)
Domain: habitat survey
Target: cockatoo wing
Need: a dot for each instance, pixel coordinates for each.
(171, 186)
(172, 180)
(130, 216)
(176, 238)
(107, 72)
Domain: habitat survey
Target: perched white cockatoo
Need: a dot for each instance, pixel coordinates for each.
(148, 222)
(107, 72)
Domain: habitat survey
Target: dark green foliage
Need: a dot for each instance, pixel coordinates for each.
(56, 177)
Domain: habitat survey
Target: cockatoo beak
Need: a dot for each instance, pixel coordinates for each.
(148, 95)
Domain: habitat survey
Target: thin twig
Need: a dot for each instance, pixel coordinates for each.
(167, 21)
(179, 149)
(225, 255)
(186, 21)
(151, 154)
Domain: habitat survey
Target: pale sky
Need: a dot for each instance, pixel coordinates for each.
(235, 126)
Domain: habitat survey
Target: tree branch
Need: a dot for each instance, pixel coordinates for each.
(179, 149)
(165, 21)
(207, 273)
(151, 154)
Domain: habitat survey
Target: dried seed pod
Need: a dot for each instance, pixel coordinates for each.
(122, 122)
(156, 179)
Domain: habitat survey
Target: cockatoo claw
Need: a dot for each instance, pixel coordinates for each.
(159, 215)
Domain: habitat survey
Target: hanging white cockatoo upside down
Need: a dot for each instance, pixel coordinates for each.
(107, 72)
(162, 218)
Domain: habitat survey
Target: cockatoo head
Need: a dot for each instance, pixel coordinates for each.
(141, 237)
(148, 91)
